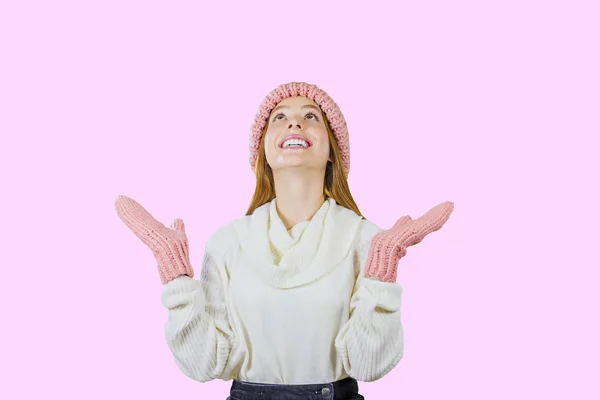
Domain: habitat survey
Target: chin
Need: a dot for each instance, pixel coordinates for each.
(297, 163)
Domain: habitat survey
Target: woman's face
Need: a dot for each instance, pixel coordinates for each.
(296, 136)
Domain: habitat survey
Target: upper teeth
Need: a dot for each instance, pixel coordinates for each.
(295, 142)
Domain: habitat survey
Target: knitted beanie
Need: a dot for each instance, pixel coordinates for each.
(331, 110)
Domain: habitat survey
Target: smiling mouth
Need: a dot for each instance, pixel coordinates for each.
(295, 143)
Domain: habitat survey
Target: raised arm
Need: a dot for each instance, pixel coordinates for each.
(371, 343)
(198, 331)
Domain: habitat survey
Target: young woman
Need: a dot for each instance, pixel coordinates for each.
(298, 298)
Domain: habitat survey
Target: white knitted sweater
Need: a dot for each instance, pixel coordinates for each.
(288, 307)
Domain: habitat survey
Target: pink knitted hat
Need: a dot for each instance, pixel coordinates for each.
(328, 106)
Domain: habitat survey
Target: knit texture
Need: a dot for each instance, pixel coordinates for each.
(198, 329)
(332, 112)
(307, 260)
(283, 240)
(286, 306)
(169, 246)
(389, 246)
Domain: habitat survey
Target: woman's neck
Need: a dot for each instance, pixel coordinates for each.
(299, 195)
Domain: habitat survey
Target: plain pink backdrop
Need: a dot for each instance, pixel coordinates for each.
(492, 105)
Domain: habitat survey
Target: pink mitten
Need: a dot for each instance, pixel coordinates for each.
(388, 247)
(169, 246)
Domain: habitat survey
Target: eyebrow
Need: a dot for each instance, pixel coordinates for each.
(305, 106)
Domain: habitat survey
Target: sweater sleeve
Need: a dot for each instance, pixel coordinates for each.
(371, 342)
(198, 331)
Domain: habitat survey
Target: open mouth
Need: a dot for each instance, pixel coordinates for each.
(295, 143)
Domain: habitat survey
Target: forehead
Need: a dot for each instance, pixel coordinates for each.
(296, 101)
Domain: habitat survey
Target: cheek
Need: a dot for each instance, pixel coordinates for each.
(323, 138)
(269, 142)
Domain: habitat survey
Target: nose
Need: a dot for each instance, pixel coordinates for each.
(294, 124)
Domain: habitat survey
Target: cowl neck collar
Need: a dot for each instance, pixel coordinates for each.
(325, 241)
(283, 240)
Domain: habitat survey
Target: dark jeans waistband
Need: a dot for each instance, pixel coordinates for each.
(346, 389)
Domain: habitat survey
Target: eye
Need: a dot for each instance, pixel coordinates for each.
(314, 116)
(276, 117)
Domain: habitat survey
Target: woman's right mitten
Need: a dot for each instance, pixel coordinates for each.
(169, 246)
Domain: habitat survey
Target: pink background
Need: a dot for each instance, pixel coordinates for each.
(492, 105)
